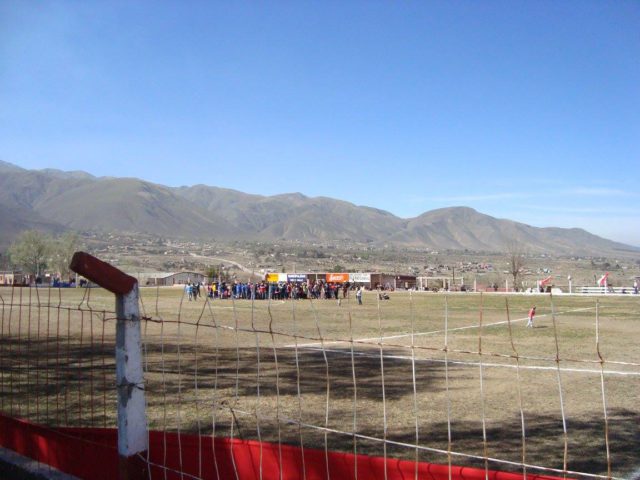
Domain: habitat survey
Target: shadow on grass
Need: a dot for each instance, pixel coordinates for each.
(72, 383)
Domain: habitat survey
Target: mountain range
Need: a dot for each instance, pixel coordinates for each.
(53, 201)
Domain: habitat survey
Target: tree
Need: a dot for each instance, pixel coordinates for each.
(62, 249)
(217, 273)
(4, 261)
(516, 260)
(212, 272)
(31, 251)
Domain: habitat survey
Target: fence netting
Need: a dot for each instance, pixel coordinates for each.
(334, 389)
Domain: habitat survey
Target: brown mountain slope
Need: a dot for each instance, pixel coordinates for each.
(16, 219)
(109, 204)
(83, 202)
(464, 228)
(294, 216)
(135, 206)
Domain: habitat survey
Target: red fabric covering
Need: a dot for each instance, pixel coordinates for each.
(91, 453)
(85, 453)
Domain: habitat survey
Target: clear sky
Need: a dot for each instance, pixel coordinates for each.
(527, 110)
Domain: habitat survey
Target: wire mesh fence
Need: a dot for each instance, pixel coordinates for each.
(452, 380)
(57, 359)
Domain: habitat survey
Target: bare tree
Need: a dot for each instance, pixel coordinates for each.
(516, 259)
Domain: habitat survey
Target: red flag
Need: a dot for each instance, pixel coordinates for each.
(545, 281)
(603, 279)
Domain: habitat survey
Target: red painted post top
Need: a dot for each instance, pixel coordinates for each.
(102, 273)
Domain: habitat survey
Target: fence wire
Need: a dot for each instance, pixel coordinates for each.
(451, 379)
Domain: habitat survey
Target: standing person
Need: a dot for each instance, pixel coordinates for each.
(532, 313)
(359, 295)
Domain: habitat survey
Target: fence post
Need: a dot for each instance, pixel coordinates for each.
(132, 423)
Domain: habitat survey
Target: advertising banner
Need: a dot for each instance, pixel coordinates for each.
(297, 277)
(282, 277)
(360, 277)
(337, 277)
(272, 277)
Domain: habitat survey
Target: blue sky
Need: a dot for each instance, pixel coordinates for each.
(522, 110)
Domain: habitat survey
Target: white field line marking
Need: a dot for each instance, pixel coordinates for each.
(276, 303)
(403, 335)
(475, 364)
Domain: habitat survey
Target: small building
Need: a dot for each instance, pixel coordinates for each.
(384, 281)
(447, 283)
(7, 278)
(170, 279)
(390, 281)
(405, 282)
(13, 278)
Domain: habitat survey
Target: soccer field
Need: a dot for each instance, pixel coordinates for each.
(438, 377)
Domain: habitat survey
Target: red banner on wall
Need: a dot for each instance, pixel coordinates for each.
(91, 453)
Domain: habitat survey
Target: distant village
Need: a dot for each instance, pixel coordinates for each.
(156, 261)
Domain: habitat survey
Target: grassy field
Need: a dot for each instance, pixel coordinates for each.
(436, 376)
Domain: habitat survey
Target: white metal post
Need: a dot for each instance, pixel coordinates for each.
(132, 421)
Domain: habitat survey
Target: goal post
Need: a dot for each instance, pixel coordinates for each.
(133, 437)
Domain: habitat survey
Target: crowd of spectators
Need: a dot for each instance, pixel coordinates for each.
(264, 290)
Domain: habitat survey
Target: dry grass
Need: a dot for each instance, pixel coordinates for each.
(311, 372)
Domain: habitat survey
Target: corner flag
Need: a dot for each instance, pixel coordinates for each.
(603, 280)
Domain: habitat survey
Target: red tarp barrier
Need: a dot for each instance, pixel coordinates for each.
(91, 453)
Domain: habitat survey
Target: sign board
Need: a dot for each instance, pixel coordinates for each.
(337, 277)
(360, 277)
(296, 277)
(272, 277)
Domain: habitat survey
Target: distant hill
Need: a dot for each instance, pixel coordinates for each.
(15, 219)
(53, 200)
(464, 228)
